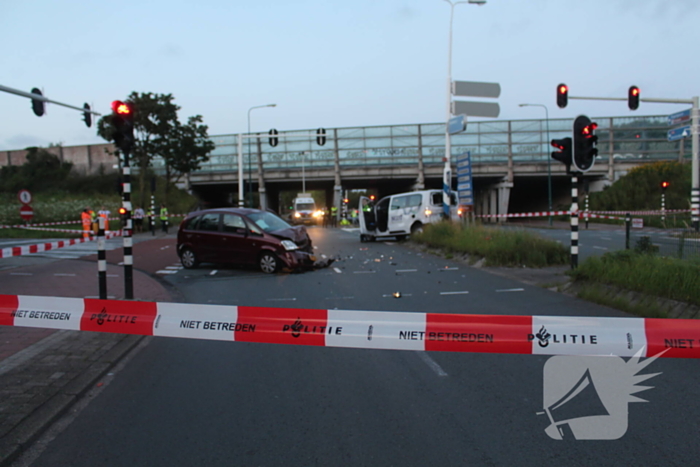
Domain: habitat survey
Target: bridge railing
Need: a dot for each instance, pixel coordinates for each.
(490, 142)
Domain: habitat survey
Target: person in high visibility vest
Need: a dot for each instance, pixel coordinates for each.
(164, 218)
(93, 221)
(86, 219)
(104, 213)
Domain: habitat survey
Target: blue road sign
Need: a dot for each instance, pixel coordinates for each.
(678, 117)
(464, 179)
(457, 124)
(679, 133)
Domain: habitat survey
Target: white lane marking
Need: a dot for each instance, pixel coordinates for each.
(281, 299)
(338, 270)
(600, 248)
(364, 272)
(455, 293)
(407, 270)
(64, 274)
(21, 274)
(510, 290)
(432, 364)
(213, 272)
(166, 271)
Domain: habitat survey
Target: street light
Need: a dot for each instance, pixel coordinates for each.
(448, 147)
(250, 167)
(549, 159)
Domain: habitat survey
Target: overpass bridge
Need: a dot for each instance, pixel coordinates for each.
(510, 160)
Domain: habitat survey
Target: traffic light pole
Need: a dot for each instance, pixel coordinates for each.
(574, 220)
(695, 166)
(126, 230)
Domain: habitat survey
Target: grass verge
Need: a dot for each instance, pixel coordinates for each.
(651, 275)
(500, 247)
(598, 293)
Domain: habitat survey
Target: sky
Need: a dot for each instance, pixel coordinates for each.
(336, 63)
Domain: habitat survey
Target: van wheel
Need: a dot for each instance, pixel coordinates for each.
(416, 228)
(189, 259)
(268, 262)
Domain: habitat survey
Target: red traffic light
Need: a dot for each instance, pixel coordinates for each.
(633, 98)
(121, 108)
(562, 95)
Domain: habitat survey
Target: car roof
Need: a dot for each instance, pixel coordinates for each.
(242, 211)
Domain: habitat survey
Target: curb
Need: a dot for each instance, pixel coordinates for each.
(32, 427)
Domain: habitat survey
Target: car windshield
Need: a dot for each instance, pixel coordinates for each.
(268, 221)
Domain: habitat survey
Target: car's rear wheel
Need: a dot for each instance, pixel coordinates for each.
(189, 259)
(269, 264)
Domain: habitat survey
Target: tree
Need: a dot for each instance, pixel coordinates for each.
(184, 149)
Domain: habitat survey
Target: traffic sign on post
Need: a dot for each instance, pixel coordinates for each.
(476, 109)
(475, 89)
(679, 117)
(679, 133)
(26, 212)
(457, 124)
(24, 196)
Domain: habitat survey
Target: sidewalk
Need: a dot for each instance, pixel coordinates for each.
(44, 372)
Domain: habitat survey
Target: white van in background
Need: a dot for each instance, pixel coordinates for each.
(402, 214)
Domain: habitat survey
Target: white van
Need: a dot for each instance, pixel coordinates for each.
(402, 214)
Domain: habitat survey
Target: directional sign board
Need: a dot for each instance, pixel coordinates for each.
(475, 89)
(679, 133)
(476, 109)
(679, 117)
(465, 187)
(457, 124)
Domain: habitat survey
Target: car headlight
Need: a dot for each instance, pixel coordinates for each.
(289, 245)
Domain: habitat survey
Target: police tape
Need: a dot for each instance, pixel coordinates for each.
(41, 247)
(537, 335)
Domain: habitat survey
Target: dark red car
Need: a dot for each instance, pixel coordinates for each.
(243, 236)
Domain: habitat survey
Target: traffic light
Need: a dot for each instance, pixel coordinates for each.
(633, 98)
(274, 140)
(87, 116)
(562, 95)
(564, 153)
(584, 143)
(664, 185)
(123, 124)
(37, 105)
(321, 136)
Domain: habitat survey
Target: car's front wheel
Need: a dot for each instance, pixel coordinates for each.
(189, 259)
(269, 264)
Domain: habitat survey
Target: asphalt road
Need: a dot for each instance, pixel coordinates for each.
(187, 402)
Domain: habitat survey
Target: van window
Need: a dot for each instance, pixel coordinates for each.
(409, 201)
(233, 223)
(209, 223)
